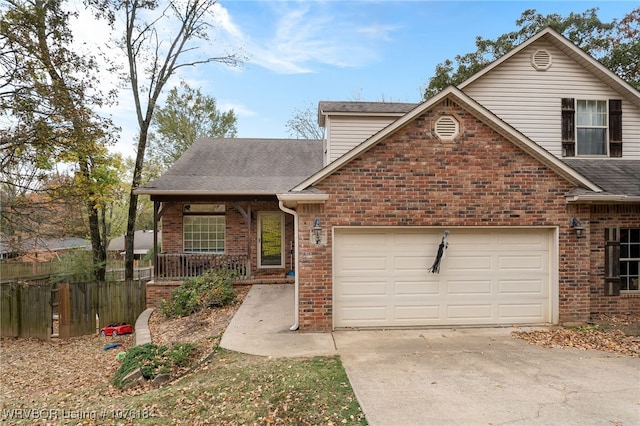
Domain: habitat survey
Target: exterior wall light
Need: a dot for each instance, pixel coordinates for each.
(317, 230)
(575, 224)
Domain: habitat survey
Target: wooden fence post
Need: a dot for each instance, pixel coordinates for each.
(64, 311)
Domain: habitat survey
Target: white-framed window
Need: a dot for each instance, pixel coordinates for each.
(630, 259)
(204, 233)
(591, 127)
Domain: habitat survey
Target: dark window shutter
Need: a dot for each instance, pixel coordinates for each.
(615, 128)
(612, 262)
(568, 128)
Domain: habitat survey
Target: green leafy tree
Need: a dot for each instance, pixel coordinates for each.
(187, 115)
(158, 39)
(47, 96)
(624, 56)
(614, 43)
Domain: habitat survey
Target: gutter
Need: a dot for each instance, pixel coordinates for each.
(592, 198)
(296, 275)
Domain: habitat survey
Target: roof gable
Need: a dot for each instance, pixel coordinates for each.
(571, 50)
(475, 109)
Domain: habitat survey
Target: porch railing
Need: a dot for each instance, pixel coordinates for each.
(180, 266)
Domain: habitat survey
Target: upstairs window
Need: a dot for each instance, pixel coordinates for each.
(591, 127)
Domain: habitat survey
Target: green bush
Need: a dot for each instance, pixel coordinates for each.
(154, 360)
(213, 288)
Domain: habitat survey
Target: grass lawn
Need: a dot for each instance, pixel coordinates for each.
(236, 388)
(229, 389)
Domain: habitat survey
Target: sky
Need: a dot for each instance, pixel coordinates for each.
(299, 53)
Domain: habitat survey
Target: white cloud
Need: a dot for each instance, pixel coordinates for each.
(239, 109)
(304, 36)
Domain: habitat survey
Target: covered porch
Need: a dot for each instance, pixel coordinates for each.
(250, 236)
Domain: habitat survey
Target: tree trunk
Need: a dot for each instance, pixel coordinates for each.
(133, 202)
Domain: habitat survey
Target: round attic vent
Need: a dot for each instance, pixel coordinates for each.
(541, 60)
(447, 127)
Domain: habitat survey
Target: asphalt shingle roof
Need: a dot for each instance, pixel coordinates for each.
(239, 166)
(362, 108)
(614, 176)
(367, 107)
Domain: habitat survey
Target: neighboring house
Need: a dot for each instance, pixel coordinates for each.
(530, 170)
(142, 244)
(48, 249)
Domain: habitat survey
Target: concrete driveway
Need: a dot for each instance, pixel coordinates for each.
(472, 376)
(485, 377)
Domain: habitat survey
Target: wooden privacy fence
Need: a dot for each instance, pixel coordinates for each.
(25, 310)
(28, 310)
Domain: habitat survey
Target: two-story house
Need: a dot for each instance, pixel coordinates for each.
(511, 199)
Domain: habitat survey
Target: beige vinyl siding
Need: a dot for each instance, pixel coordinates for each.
(346, 132)
(529, 100)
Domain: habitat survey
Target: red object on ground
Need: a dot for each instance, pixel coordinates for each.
(116, 329)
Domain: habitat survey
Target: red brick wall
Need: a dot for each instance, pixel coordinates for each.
(157, 291)
(602, 217)
(412, 178)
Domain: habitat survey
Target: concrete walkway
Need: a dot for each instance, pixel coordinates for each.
(469, 376)
(142, 333)
(262, 326)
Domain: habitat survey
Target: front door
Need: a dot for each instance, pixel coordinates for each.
(271, 240)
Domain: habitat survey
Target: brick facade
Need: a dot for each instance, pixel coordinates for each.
(602, 217)
(412, 178)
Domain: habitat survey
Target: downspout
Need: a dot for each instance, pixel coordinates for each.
(297, 271)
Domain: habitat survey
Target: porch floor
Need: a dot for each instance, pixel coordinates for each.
(266, 280)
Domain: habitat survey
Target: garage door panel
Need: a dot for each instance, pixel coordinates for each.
(522, 263)
(410, 264)
(370, 241)
(369, 315)
(488, 276)
(457, 263)
(416, 288)
(363, 288)
(521, 311)
(411, 313)
(523, 240)
(470, 312)
(520, 286)
(468, 287)
(363, 264)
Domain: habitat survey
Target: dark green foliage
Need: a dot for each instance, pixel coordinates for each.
(154, 360)
(213, 288)
(614, 43)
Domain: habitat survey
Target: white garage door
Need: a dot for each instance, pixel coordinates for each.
(497, 276)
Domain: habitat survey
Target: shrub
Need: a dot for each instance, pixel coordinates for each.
(154, 360)
(213, 288)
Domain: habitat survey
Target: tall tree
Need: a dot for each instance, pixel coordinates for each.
(303, 124)
(157, 41)
(48, 96)
(187, 115)
(624, 56)
(586, 30)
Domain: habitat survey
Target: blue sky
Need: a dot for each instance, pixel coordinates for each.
(302, 52)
